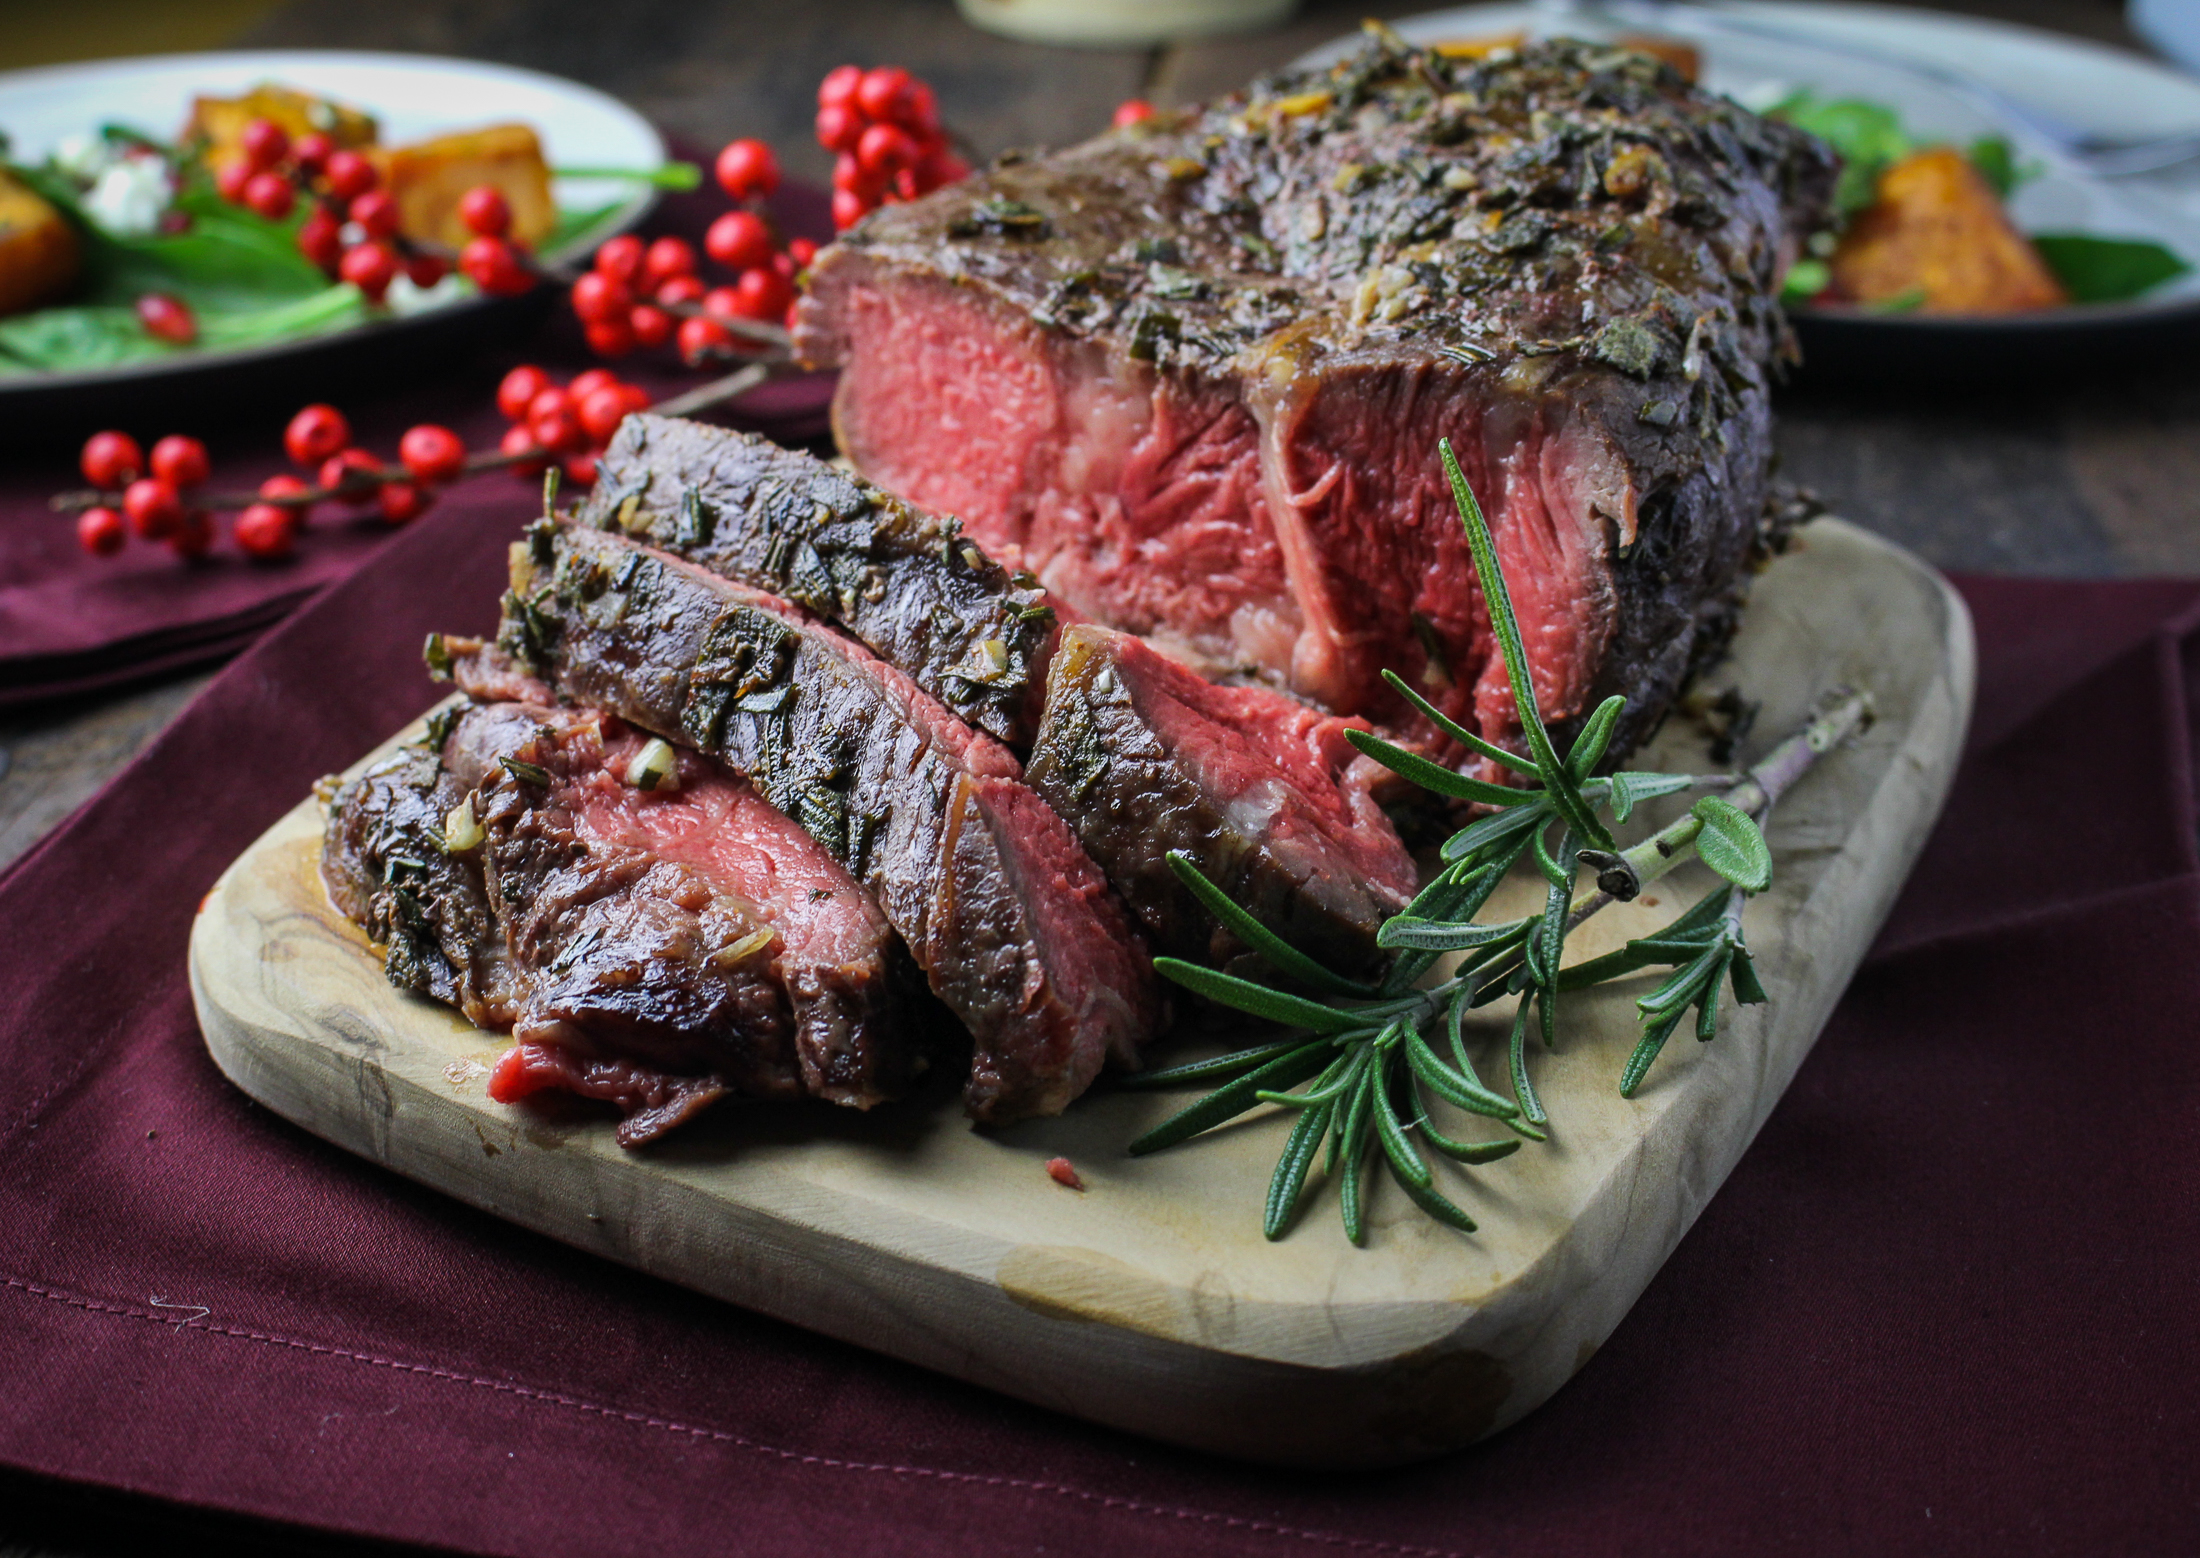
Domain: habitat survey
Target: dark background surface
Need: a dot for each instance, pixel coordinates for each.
(2092, 475)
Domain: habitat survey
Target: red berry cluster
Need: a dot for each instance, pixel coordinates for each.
(151, 498)
(885, 125)
(159, 500)
(641, 295)
(352, 230)
(565, 423)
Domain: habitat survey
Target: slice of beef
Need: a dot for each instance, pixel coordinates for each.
(682, 941)
(1141, 757)
(1193, 373)
(908, 584)
(1015, 928)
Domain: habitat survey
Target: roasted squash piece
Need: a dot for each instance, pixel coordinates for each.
(429, 178)
(1938, 233)
(217, 123)
(38, 247)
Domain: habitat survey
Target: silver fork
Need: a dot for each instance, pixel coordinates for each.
(2101, 156)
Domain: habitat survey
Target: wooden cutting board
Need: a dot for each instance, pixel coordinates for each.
(1150, 1300)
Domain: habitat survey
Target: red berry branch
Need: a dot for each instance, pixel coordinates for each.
(882, 123)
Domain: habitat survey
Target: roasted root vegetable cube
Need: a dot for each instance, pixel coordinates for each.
(429, 178)
(217, 123)
(1937, 234)
(38, 248)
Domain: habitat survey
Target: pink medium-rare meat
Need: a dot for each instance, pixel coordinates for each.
(1264, 795)
(663, 946)
(1192, 373)
(1014, 927)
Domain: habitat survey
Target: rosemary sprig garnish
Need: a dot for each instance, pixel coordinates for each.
(1363, 1063)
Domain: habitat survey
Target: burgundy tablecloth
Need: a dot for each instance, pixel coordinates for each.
(1945, 1305)
(72, 624)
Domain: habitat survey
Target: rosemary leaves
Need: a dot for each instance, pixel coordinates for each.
(1364, 1060)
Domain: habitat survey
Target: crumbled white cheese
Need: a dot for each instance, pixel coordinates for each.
(129, 197)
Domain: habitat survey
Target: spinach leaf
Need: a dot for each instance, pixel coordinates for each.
(1869, 136)
(2107, 270)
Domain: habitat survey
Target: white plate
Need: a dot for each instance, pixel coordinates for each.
(412, 97)
(2104, 90)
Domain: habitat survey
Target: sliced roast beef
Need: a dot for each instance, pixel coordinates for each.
(906, 583)
(656, 947)
(1266, 797)
(1193, 373)
(1015, 928)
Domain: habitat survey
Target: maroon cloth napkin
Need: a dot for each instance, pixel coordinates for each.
(1944, 1305)
(72, 624)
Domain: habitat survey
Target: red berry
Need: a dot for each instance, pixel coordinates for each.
(321, 239)
(580, 469)
(923, 118)
(270, 195)
(838, 89)
(699, 337)
(369, 266)
(762, 295)
(314, 435)
(349, 175)
(484, 210)
(801, 251)
(849, 208)
(152, 507)
(940, 168)
(667, 258)
(110, 460)
(518, 441)
(747, 169)
(230, 183)
(181, 462)
(1136, 111)
(167, 319)
(884, 92)
(101, 532)
(556, 429)
(622, 259)
(266, 530)
(402, 502)
(849, 176)
(519, 389)
(263, 143)
(286, 486)
(679, 290)
(431, 454)
(494, 266)
(612, 337)
(548, 400)
(597, 296)
(839, 127)
(311, 151)
(884, 150)
(722, 302)
(588, 382)
(602, 412)
(341, 471)
(634, 397)
(784, 267)
(193, 536)
(425, 270)
(738, 240)
(376, 213)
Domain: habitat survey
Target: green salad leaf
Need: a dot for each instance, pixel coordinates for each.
(2107, 270)
(1869, 136)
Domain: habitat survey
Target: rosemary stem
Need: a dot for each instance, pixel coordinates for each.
(1757, 790)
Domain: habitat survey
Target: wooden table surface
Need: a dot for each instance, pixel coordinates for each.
(2045, 475)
